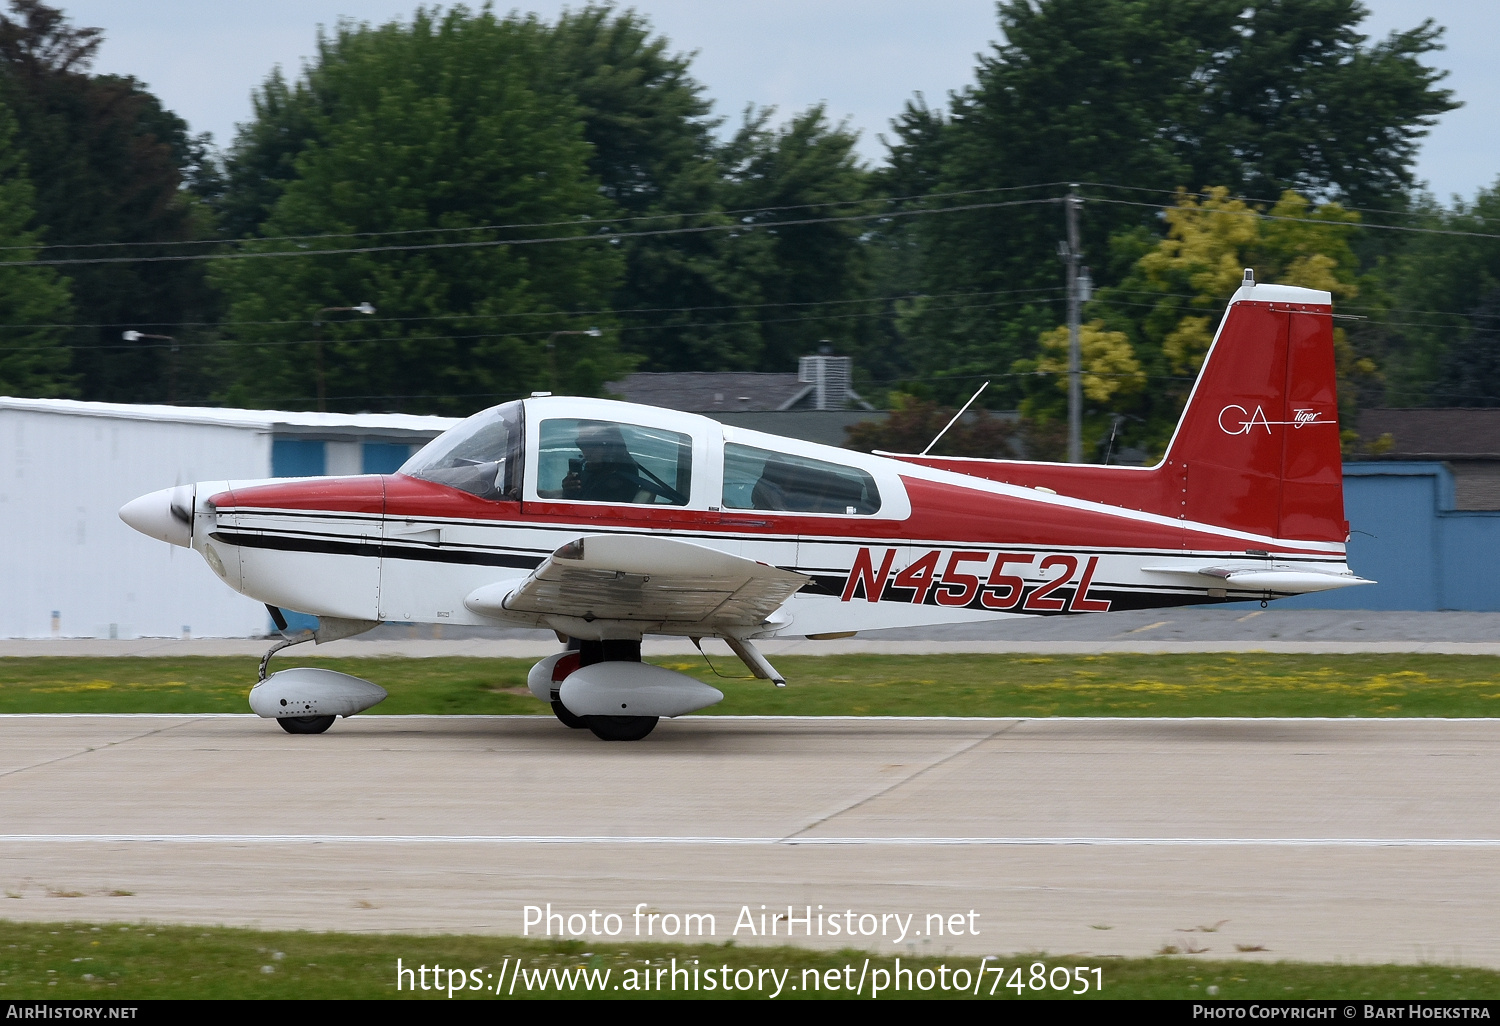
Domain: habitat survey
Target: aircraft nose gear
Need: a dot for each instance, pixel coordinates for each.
(307, 699)
(293, 724)
(295, 639)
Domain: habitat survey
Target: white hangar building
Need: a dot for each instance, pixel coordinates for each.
(69, 567)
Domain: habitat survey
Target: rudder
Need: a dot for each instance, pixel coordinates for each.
(1258, 443)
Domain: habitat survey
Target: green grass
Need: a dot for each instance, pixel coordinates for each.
(953, 685)
(73, 961)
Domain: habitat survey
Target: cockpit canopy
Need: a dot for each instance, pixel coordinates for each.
(588, 450)
(481, 455)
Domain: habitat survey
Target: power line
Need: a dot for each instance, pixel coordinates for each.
(604, 222)
(1247, 212)
(743, 225)
(580, 221)
(498, 243)
(569, 314)
(222, 344)
(600, 222)
(1412, 214)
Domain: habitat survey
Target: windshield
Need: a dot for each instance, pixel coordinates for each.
(481, 455)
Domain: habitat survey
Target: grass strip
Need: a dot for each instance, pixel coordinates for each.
(1249, 684)
(81, 961)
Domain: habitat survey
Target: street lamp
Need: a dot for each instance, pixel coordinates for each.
(136, 336)
(552, 350)
(362, 308)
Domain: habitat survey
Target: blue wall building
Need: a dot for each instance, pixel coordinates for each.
(1407, 535)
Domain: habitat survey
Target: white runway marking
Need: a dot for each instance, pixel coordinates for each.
(1115, 842)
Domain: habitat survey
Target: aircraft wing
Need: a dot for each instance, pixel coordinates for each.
(648, 579)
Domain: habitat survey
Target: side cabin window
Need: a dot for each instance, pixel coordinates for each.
(604, 461)
(481, 455)
(761, 479)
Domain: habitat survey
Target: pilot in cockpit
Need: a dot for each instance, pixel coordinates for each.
(607, 472)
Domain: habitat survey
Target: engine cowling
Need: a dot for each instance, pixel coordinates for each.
(620, 688)
(311, 691)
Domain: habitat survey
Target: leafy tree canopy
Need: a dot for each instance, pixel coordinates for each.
(1428, 323)
(1258, 96)
(747, 292)
(108, 164)
(421, 129)
(33, 360)
(1147, 335)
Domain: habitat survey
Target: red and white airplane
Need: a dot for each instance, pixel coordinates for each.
(606, 521)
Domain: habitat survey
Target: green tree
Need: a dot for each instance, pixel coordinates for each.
(680, 300)
(1436, 288)
(728, 292)
(806, 278)
(1151, 331)
(109, 165)
(1257, 95)
(422, 129)
(1471, 368)
(913, 423)
(33, 359)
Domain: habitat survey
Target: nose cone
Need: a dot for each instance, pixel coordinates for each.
(166, 515)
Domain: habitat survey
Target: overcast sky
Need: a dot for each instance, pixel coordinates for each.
(863, 58)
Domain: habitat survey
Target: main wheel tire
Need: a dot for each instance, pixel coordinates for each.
(621, 728)
(305, 724)
(568, 719)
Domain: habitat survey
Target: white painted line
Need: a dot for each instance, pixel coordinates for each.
(1109, 842)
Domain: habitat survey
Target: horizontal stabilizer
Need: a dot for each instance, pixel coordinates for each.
(1266, 578)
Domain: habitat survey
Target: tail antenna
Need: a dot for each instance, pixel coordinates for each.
(960, 413)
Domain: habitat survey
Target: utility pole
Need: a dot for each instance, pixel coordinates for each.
(136, 336)
(363, 308)
(1075, 316)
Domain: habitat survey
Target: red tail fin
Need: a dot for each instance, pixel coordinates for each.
(1257, 448)
(1260, 435)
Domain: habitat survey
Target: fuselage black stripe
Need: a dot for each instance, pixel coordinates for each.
(683, 531)
(985, 547)
(372, 548)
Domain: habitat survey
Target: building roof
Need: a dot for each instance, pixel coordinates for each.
(390, 425)
(1435, 434)
(713, 391)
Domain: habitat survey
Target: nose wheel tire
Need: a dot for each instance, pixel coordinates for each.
(621, 728)
(305, 724)
(568, 719)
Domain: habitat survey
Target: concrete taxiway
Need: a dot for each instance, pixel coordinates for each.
(1357, 840)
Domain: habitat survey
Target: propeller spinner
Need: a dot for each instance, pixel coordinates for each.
(166, 515)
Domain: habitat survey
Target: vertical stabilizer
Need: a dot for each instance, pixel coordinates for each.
(1257, 448)
(1258, 443)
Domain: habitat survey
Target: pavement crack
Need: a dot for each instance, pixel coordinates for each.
(966, 749)
(98, 748)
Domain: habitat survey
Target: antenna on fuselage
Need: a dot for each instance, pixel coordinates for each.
(960, 413)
